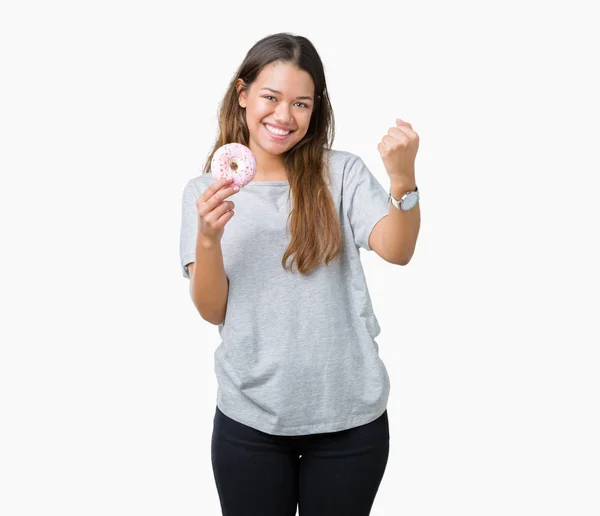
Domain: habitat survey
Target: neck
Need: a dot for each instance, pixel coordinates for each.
(269, 167)
(262, 176)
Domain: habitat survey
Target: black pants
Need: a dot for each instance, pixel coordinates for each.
(327, 474)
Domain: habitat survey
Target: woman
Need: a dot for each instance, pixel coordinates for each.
(301, 415)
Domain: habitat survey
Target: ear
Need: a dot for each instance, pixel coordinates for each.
(241, 96)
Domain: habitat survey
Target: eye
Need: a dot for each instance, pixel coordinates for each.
(271, 97)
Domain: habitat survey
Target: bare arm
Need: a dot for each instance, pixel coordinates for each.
(209, 286)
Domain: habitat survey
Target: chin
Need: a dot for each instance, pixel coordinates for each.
(278, 147)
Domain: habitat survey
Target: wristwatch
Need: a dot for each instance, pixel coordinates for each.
(408, 201)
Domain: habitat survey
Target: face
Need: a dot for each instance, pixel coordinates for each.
(290, 109)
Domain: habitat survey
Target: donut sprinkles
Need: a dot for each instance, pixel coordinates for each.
(234, 161)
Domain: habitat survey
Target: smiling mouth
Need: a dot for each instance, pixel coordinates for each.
(276, 135)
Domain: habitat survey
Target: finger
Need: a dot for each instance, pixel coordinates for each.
(399, 121)
(226, 216)
(399, 132)
(213, 188)
(220, 196)
(217, 203)
(224, 207)
(215, 217)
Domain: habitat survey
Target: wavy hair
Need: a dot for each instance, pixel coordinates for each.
(313, 222)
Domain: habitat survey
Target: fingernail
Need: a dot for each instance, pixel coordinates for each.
(236, 188)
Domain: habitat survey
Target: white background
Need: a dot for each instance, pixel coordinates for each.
(107, 387)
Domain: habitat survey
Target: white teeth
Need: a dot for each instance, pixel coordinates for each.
(276, 131)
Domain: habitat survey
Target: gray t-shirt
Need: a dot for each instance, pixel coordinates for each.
(298, 353)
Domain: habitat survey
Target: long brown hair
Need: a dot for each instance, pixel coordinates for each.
(315, 228)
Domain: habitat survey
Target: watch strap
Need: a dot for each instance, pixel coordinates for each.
(397, 203)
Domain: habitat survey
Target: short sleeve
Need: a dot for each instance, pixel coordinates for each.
(365, 201)
(189, 228)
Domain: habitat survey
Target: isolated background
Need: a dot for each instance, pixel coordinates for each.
(107, 388)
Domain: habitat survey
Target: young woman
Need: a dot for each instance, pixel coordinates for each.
(301, 418)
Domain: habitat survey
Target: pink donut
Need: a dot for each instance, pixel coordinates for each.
(234, 161)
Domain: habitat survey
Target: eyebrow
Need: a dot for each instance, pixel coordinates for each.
(275, 91)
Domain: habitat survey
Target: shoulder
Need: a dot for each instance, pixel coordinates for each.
(198, 184)
(346, 167)
(341, 160)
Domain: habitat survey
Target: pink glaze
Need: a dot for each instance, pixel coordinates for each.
(238, 154)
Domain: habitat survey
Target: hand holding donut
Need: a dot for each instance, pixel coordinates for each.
(213, 211)
(233, 166)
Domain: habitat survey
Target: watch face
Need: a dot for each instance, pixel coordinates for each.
(410, 201)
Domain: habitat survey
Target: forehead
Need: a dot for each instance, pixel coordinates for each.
(286, 78)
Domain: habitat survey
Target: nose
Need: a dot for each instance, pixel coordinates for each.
(282, 114)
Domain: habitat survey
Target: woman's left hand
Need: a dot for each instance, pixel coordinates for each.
(398, 150)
